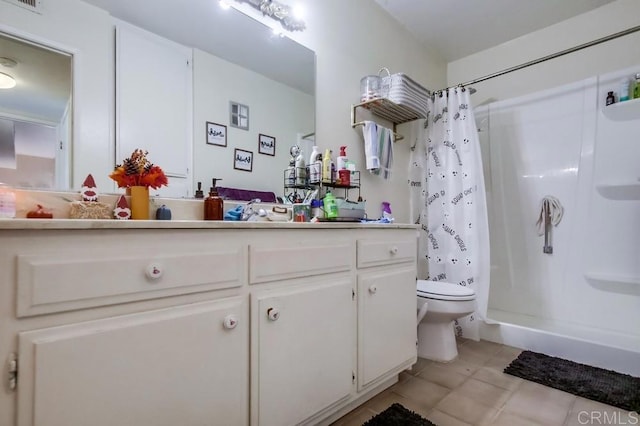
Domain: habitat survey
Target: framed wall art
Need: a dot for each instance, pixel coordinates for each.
(243, 160)
(266, 144)
(216, 134)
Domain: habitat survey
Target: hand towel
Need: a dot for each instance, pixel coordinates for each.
(370, 134)
(549, 205)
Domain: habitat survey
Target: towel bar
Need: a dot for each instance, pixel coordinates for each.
(376, 106)
(396, 136)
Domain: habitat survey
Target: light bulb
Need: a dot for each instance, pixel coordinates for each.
(224, 5)
(6, 81)
(298, 12)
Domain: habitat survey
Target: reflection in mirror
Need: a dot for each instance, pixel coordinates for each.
(35, 115)
(235, 59)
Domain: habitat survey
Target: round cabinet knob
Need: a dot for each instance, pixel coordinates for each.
(230, 322)
(373, 289)
(273, 314)
(393, 250)
(154, 271)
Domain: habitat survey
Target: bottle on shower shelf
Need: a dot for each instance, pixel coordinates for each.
(610, 99)
(624, 90)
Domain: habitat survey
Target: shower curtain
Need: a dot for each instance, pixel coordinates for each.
(454, 218)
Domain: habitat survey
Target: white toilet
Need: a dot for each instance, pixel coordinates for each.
(446, 302)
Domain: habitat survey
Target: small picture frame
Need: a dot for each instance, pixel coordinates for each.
(243, 160)
(266, 144)
(238, 115)
(216, 134)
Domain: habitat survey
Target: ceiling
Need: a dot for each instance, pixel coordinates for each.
(458, 28)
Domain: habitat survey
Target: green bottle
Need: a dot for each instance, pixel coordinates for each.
(330, 206)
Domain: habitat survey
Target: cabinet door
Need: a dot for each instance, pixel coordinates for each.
(175, 366)
(302, 350)
(154, 99)
(387, 329)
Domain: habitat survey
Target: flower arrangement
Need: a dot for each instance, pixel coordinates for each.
(137, 170)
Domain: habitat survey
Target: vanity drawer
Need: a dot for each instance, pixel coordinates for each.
(75, 279)
(269, 262)
(384, 252)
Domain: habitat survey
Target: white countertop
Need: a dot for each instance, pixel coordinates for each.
(69, 224)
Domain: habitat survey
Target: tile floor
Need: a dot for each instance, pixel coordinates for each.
(473, 390)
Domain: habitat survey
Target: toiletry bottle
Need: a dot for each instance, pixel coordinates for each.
(213, 204)
(386, 210)
(610, 98)
(326, 166)
(290, 174)
(624, 90)
(330, 206)
(341, 161)
(636, 87)
(199, 193)
(7, 202)
(301, 170)
(314, 167)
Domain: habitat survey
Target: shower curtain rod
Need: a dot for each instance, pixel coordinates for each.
(548, 57)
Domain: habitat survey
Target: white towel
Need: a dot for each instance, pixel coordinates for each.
(552, 206)
(370, 134)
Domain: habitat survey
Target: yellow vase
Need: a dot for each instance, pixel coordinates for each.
(139, 202)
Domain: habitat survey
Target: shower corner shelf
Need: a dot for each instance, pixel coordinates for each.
(620, 191)
(615, 283)
(623, 111)
(388, 110)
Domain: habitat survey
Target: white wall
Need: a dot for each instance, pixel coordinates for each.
(606, 57)
(274, 109)
(351, 39)
(87, 33)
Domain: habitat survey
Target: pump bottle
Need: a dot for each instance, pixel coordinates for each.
(213, 204)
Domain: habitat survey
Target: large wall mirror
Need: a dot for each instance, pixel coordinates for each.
(235, 59)
(35, 115)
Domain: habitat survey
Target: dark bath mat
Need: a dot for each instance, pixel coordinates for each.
(598, 384)
(397, 415)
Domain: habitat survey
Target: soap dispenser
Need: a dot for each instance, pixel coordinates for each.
(213, 204)
(199, 193)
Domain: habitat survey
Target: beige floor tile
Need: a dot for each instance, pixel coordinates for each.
(420, 365)
(497, 378)
(434, 373)
(459, 365)
(384, 400)
(483, 347)
(354, 418)
(508, 419)
(527, 401)
(484, 393)
(586, 411)
(467, 353)
(443, 419)
(466, 409)
(425, 393)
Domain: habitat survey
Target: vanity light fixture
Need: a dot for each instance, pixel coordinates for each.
(280, 12)
(6, 81)
(224, 4)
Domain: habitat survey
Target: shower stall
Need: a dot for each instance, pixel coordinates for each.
(581, 302)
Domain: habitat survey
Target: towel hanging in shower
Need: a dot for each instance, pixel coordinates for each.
(552, 208)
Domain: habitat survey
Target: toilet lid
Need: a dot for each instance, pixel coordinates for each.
(444, 291)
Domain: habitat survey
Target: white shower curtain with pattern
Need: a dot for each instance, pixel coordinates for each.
(454, 217)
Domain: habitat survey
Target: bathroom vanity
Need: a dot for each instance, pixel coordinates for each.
(201, 323)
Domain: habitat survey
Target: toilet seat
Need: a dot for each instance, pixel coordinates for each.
(444, 291)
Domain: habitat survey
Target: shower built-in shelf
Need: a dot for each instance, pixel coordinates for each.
(620, 191)
(616, 283)
(623, 111)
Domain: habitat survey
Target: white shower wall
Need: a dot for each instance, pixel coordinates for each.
(559, 142)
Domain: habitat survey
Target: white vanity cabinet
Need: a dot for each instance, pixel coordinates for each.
(387, 332)
(174, 366)
(163, 323)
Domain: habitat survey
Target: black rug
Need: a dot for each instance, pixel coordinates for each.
(397, 415)
(598, 384)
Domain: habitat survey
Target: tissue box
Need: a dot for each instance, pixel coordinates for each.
(350, 209)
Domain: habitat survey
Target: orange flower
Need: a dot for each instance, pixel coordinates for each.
(138, 171)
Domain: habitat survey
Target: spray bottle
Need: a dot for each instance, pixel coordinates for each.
(386, 211)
